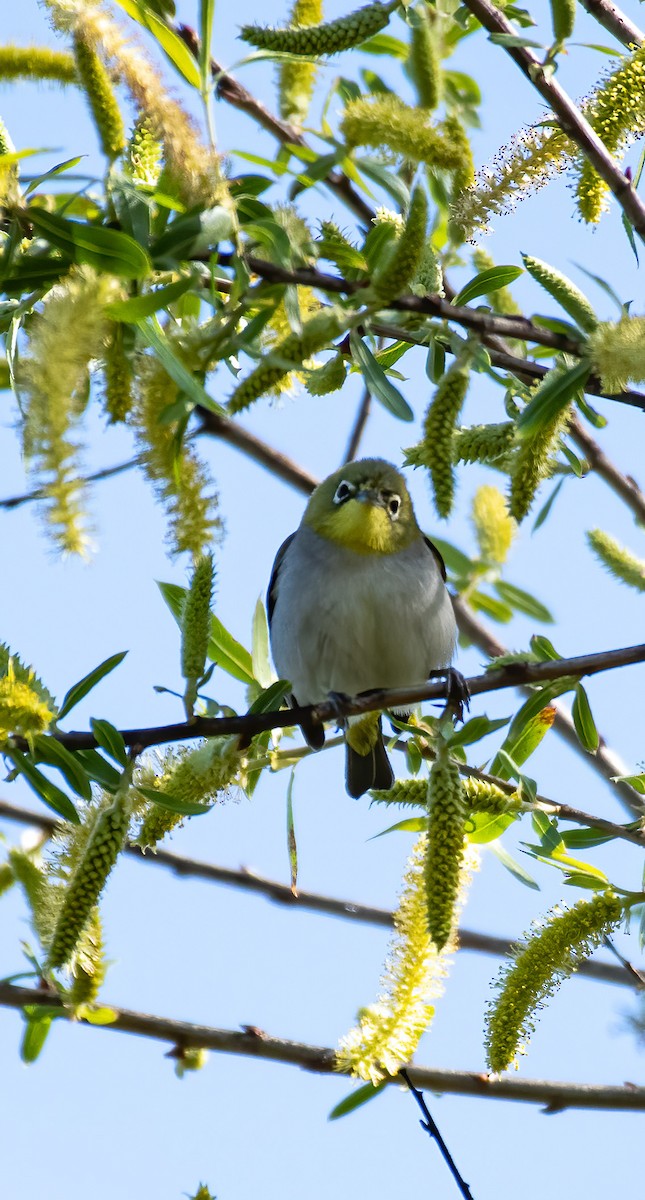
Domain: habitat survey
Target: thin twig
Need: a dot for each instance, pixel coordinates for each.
(623, 485)
(615, 21)
(254, 448)
(429, 1124)
(571, 120)
(248, 880)
(358, 427)
(253, 1042)
(39, 493)
(337, 709)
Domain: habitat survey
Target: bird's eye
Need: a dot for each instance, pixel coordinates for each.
(343, 491)
(394, 506)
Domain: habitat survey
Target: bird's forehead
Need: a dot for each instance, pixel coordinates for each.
(376, 480)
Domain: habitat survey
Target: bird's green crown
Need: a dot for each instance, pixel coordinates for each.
(365, 506)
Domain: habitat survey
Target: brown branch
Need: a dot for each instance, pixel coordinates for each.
(254, 1043)
(571, 120)
(515, 675)
(623, 485)
(254, 448)
(39, 493)
(280, 893)
(614, 21)
(358, 427)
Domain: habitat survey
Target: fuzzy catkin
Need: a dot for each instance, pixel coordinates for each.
(194, 777)
(447, 815)
(400, 267)
(540, 964)
(117, 374)
(88, 965)
(568, 296)
(386, 121)
(328, 378)
(438, 433)
(532, 463)
(617, 350)
(619, 561)
(195, 628)
(424, 64)
(494, 528)
(90, 876)
(321, 40)
(296, 80)
(315, 335)
(100, 97)
(483, 443)
(37, 62)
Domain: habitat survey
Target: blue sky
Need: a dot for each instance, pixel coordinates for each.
(103, 1111)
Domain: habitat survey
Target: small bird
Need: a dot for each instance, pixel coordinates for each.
(357, 601)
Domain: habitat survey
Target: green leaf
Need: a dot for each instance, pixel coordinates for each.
(513, 866)
(99, 770)
(579, 839)
(492, 607)
(223, 649)
(292, 845)
(454, 558)
(486, 282)
(172, 803)
(377, 382)
(52, 796)
(206, 13)
(272, 697)
(409, 825)
(512, 40)
(545, 649)
(85, 685)
(487, 827)
(99, 1016)
(546, 508)
(553, 394)
(170, 42)
(49, 750)
(635, 781)
(523, 601)
(57, 170)
(356, 1099)
(110, 740)
(384, 43)
(436, 360)
(565, 863)
(107, 250)
(138, 307)
(35, 1035)
(578, 879)
(583, 720)
(475, 729)
(260, 646)
(154, 335)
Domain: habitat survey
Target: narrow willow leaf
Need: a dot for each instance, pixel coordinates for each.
(272, 697)
(173, 47)
(579, 839)
(260, 656)
(223, 649)
(138, 307)
(206, 13)
(546, 508)
(454, 558)
(486, 827)
(52, 796)
(57, 170)
(49, 750)
(635, 781)
(378, 383)
(292, 845)
(99, 770)
(513, 866)
(409, 825)
(544, 649)
(107, 250)
(475, 729)
(583, 720)
(362, 1094)
(172, 803)
(110, 740)
(523, 601)
(154, 335)
(35, 1035)
(554, 393)
(89, 681)
(486, 282)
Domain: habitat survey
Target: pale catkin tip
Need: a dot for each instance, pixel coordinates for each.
(494, 528)
(619, 561)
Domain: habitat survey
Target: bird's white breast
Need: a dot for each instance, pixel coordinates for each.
(350, 622)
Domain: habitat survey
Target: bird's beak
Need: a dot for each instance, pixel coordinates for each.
(369, 496)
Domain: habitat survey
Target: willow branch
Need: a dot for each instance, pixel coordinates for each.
(623, 485)
(614, 21)
(236, 435)
(571, 120)
(338, 708)
(248, 880)
(358, 427)
(38, 494)
(254, 1043)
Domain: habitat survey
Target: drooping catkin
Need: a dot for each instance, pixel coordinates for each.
(400, 267)
(552, 952)
(569, 297)
(563, 16)
(439, 423)
(144, 154)
(41, 895)
(483, 443)
(617, 350)
(388, 1032)
(494, 528)
(296, 80)
(102, 101)
(90, 874)
(195, 628)
(117, 374)
(386, 121)
(533, 463)
(317, 41)
(619, 561)
(315, 335)
(617, 114)
(193, 776)
(88, 966)
(37, 62)
(447, 815)
(424, 63)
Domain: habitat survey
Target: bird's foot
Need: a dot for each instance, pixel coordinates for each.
(339, 700)
(457, 693)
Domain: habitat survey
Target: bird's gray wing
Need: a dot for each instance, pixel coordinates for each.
(275, 571)
(431, 546)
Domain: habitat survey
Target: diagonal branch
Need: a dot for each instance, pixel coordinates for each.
(616, 22)
(571, 120)
(254, 1043)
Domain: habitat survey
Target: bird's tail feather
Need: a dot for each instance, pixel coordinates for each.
(366, 771)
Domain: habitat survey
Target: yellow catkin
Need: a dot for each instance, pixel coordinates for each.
(447, 815)
(388, 1032)
(90, 876)
(41, 896)
(617, 114)
(438, 434)
(296, 80)
(23, 712)
(101, 99)
(177, 474)
(318, 40)
(399, 269)
(533, 462)
(424, 64)
(144, 155)
(316, 334)
(494, 528)
(7, 877)
(9, 189)
(37, 62)
(194, 169)
(195, 628)
(617, 352)
(568, 296)
(194, 777)
(619, 561)
(483, 443)
(117, 374)
(387, 122)
(51, 378)
(88, 965)
(554, 951)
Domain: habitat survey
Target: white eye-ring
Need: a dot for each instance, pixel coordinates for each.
(343, 491)
(394, 506)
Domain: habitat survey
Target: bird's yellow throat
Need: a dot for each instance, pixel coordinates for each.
(362, 527)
